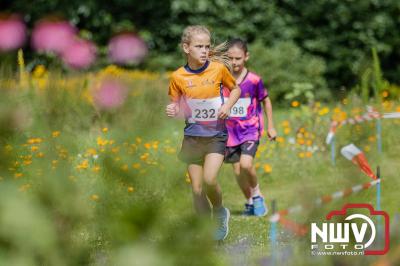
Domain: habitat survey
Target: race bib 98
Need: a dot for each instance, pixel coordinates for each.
(205, 109)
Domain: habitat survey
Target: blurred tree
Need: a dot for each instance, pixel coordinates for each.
(343, 33)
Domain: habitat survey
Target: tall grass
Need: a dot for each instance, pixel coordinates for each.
(84, 186)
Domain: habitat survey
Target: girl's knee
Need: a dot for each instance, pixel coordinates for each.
(210, 181)
(197, 190)
(246, 166)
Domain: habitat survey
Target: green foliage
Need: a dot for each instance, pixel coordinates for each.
(373, 83)
(289, 73)
(341, 33)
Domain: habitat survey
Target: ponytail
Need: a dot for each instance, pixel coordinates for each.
(219, 53)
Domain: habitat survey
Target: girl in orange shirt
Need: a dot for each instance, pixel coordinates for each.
(198, 87)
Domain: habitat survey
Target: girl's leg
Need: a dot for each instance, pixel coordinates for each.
(248, 172)
(242, 181)
(200, 201)
(212, 164)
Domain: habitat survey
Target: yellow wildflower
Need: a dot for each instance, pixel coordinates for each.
(125, 167)
(285, 123)
(147, 145)
(34, 148)
(83, 165)
(18, 175)
(131, 189)
(39, 71)
(101, 141)
(34, 140)
(187, 178)
(267, 168)
(27, 162)
(144, 156)
(55, 134)
(96, 168)
(323, 111)
(94, 197)
(115, 150)
(136, 165)
(300, 141)
(295, 104)
(91, 152)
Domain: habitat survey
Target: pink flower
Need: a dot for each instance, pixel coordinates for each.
(79, 54)
(12, 33)
(52, 36)
(109, 95)
(127, 48)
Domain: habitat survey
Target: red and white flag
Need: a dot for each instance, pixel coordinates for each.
(354, 154)
(331, 133)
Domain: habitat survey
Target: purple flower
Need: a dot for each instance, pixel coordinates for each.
(12, 33)
(127, 48)
(110, 94)
(52, 36)
(79, 54)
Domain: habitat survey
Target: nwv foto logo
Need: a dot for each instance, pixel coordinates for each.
(360, 227)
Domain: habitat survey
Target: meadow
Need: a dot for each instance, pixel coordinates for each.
(89, 184)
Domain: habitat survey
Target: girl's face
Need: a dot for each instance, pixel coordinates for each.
(198, 49)
(238, 58)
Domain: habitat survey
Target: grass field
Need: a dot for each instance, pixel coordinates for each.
(91, 186)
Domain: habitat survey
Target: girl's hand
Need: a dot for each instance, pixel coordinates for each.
(224, 112)
(271, 132)
(172, 109)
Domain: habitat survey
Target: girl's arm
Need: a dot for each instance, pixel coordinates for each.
(225, 110)
(267, 106)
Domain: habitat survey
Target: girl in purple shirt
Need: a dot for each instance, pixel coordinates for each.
(245, 127)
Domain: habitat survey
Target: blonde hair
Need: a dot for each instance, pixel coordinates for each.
(218, 53)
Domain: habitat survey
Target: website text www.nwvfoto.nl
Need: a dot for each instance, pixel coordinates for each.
(332, 253)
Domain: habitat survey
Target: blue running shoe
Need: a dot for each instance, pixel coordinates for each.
(259, 206)
(248, 209)
(222, 217)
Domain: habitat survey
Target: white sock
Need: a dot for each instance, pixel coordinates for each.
(250, 201)
(255, 191)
